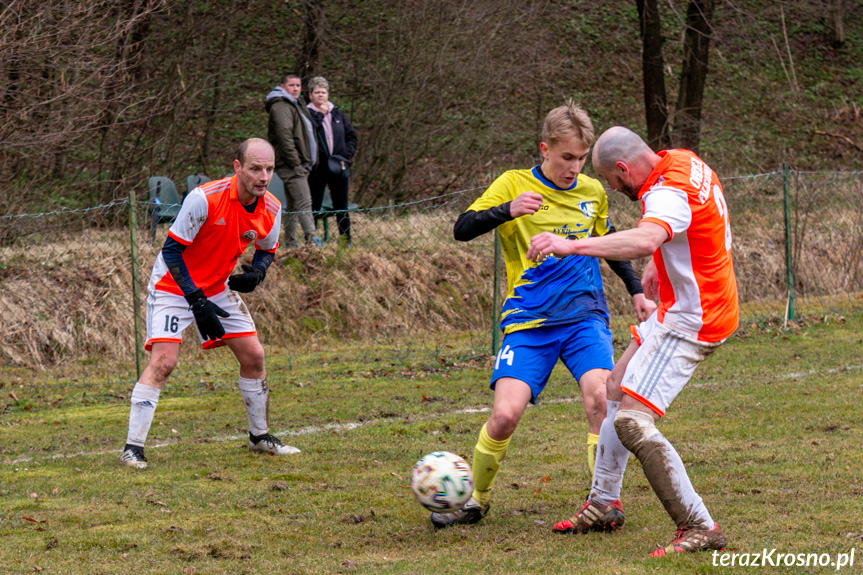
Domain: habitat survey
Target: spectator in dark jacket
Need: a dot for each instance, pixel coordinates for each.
(337, 144)
(291, 132)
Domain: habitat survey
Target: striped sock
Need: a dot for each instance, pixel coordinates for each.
(144, 401)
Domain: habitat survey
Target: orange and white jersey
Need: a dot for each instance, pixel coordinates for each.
(216, 229)
(697, 286)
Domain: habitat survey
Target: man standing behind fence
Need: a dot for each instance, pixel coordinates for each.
(190, 283)
(292, 135)
(555, 310)
(685, 226)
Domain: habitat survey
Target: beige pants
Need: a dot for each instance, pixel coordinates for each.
(298, 208)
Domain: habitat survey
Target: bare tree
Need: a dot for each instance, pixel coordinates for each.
(69, 75)
(693, 76)
(836, 17)
(313, 21)
(653, 68)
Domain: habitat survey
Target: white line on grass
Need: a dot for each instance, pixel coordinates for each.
(799, 374)
(357, 425)
(305, 431)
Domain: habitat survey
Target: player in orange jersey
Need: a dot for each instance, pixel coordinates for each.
(192, 282)
(685, 227)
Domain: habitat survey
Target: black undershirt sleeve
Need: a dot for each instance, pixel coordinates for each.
(625, 271)
(172, 252)
(262, 258)
(472, 224)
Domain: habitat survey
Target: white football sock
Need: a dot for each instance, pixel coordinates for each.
(611, 458)
(256, 398)
(144, 401)
(667, 475)
(664, 469)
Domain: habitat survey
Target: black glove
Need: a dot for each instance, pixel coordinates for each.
(244, 283)
(205, 315)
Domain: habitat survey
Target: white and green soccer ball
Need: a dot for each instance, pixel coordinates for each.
(442, 481)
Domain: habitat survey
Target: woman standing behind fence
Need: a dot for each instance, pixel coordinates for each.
(338, 144)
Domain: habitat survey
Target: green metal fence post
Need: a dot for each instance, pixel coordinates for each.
(136, 284)
(495, 298)
(789, 272)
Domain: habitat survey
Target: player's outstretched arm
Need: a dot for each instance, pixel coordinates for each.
(547, 243)
(631, 244)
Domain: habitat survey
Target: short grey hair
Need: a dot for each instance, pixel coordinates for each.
(617, 144)
(318, 82)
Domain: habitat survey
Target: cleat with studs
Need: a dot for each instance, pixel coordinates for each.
(271, 444)
(470, 513)
(593, 517)
(133, 456)
(692, 539)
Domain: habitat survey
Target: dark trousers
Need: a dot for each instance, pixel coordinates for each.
(319, 180)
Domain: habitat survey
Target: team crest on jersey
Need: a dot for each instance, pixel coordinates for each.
(587, 208)
(249, 235)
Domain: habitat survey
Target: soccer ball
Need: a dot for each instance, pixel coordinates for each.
(442, 481)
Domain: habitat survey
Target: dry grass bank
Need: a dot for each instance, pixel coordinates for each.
(68, 296)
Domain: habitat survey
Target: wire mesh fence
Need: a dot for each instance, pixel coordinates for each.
(405, 292)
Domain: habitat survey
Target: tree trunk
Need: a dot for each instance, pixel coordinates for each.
(655, 100)
(313, 21)
(216, 100)
(836, 14)
(696, 47)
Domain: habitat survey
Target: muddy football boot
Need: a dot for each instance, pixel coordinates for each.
(593, 517)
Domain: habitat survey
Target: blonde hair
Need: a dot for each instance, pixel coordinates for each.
(565, 122)
(318, 82)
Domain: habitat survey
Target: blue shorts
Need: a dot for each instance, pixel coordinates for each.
(529, 355)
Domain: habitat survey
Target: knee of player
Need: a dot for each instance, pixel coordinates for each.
(594, 399)
(504, 421)
(252, 360)
(634, 428)
(162, 367)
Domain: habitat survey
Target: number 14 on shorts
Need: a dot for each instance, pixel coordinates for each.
(506, 354)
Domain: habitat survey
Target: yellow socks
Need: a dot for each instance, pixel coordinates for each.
(487, 457)
(592, 442)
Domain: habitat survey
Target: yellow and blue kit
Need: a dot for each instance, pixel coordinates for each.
(557, 293)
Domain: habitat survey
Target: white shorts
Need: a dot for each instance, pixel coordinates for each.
(663, 363)
(169, 314)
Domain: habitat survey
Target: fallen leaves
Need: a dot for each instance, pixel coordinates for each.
(37, 521)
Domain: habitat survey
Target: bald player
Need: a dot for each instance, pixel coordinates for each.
(685, 228)
(191, 283)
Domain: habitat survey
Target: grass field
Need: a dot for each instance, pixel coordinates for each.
(770, 429)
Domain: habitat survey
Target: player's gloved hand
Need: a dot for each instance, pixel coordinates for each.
(246, 282)
(206, 315)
